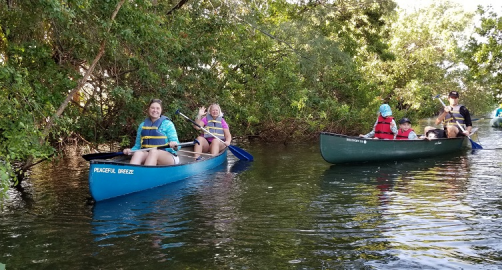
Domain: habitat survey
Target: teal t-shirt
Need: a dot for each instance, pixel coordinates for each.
(167, 128)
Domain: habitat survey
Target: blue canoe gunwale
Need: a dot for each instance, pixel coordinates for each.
(112, 178)
(341, 149)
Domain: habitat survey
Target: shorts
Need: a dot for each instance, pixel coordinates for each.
(176, 158)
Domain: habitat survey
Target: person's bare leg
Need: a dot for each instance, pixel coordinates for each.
(202, 148)
(139, 157)
(216, 146)
(159, 157)
(452, 131)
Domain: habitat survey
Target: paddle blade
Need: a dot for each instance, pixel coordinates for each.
(475, 145)
(89, 157)
(240, 153)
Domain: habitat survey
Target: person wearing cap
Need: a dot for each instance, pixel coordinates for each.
(405, 132)
(452, 116)
(384, 127)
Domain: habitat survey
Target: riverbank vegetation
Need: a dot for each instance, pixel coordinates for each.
(82, 71)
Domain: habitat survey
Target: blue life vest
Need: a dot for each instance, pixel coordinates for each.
(214, 126)
(449, 121)
(150, 134)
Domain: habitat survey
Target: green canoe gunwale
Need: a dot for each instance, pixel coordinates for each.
(496, 122)
(339, 149)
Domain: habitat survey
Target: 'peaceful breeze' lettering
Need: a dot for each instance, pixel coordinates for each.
(112, 170)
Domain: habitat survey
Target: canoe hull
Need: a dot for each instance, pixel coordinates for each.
(336, 148)
(109, 179)
(496, 122)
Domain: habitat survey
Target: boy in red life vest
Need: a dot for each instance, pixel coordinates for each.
(405, 132)
(385, 126)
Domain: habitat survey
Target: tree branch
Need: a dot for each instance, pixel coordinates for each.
(82, 81)
(178, 6)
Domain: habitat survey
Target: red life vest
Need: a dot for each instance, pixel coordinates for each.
(382, 128)
(403, 135)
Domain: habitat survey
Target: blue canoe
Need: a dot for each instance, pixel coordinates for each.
(112, 178)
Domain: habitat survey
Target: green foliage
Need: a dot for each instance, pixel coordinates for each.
(5, 178)
(280, 69)
(426, 46)
(19, 122)
(483, 56)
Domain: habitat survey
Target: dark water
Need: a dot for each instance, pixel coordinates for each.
(287, 210)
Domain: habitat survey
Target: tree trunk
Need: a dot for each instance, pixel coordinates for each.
(29, 163)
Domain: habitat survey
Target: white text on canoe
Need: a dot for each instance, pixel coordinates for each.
(356, 140)
(112, 170)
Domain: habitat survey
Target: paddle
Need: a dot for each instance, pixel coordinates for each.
(107, 155)
(473, 144)
(238, 152)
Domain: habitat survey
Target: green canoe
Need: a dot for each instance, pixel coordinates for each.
(496, 122)
(336, 148)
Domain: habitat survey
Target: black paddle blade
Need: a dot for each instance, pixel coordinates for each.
(89, 157)
(110, 155)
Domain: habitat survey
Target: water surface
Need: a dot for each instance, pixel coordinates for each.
(288, 209)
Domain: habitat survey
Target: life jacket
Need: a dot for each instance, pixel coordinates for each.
(403, 135)
(382, 128)
(449, 121)
(150, 134)
(214, 126)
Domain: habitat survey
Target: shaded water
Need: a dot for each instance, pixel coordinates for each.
(288, 209)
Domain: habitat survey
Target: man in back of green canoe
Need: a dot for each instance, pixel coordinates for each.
(456, 119)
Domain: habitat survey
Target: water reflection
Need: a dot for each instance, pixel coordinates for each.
(166, 212)
(288, 209)
(417, 213)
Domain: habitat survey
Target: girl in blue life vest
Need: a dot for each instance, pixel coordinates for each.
(157, 130)
(385, 126)
(405, 132)
(215, 124)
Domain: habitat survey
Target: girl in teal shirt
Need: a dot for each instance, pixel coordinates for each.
(157, 130)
